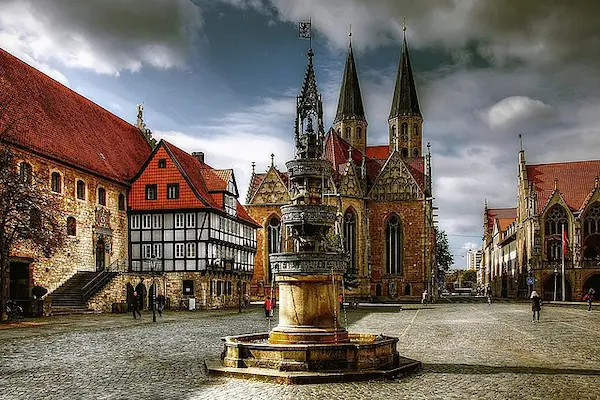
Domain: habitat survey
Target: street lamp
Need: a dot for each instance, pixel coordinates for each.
(555, 276)
(152, 266)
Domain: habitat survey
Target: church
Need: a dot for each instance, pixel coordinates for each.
(383, 194)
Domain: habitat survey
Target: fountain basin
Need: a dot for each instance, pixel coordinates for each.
(364, 356)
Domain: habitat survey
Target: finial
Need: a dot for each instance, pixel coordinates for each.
(596, 181)
(555, 183)
(485, 203)
(272, 160)
(395, 142)
(349, 153)
(253, 166)
(520, 142)
(350, 33)
(404, 25)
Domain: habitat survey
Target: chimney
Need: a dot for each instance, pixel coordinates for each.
(199, 156)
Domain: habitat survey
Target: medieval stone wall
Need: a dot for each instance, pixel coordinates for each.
(79, 252)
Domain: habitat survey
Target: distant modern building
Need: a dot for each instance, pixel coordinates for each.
(557, 217)
(474, 257)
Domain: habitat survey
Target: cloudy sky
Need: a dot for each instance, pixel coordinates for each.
(221, 76)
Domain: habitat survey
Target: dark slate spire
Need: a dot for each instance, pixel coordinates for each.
(309, 129)
(350, 105)
(405, 101)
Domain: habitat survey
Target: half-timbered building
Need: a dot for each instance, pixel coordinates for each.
(186, 224)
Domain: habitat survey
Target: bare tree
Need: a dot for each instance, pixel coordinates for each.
(30, 214)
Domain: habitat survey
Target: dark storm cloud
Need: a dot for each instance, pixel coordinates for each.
(107, 37)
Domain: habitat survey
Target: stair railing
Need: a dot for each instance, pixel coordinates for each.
(100, 280)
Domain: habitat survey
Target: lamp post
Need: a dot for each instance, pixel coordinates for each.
(239, 291)
(152, 266)
(555, 276)
(432, 284)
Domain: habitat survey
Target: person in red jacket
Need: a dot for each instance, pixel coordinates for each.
(268, 307)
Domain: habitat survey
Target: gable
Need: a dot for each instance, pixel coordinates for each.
(395, 182)
(271, 190)
(232, 186)
(349, 182)
(151, 174)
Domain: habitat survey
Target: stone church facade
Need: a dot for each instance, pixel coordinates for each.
(527, 242)
(383, 194)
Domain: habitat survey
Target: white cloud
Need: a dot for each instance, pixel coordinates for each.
(512, 110)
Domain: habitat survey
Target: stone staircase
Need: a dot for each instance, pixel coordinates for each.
(72, 296)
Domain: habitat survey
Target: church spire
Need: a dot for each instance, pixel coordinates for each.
(350, 121)
(405, 100)
(405, 114)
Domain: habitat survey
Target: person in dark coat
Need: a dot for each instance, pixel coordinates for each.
(536, 306)
(590, 298)
(136, 304)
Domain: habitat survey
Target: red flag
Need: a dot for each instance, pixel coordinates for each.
(564, 240)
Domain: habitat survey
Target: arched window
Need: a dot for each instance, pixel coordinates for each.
(81, 190)
(393, 246)
(348, 132)
(350, 238)
(416, 129)
(71, 226)
(415, 152)
(404, 134)
(101, 196)
(393, 131)
(55, 182)
(404, 152)
(121, 201)
(358, 132)
(555, 219)
(591, 233)
(273, 242)
(25, 172)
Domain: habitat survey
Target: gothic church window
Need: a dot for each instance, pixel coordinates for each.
(393, 246)
(404, 134)
(415, 152)
(591, 233)
(415, 129)
(358, 132)
(274, 242)
(404, 152)
(348, 132)
(393, 132)
(555, 219)
(350, 237)
(55, 182)
(80, 190)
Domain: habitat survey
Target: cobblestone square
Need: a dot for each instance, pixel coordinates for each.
(469, 351)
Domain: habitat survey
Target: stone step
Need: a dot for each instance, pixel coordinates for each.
(72, 311)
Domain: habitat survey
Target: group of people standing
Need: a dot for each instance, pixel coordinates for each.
(536, 303)
(136, 304)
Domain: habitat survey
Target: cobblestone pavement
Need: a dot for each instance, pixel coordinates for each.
(469, 351)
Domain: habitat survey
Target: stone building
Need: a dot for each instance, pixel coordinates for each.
(86, 155)
(383, 193)
(551, 199)
(186, 225)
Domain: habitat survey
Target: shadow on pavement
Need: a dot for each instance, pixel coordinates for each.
(468, 369)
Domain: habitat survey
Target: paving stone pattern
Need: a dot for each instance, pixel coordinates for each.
(469, 351)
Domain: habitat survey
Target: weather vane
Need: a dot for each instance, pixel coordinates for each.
(304, 31)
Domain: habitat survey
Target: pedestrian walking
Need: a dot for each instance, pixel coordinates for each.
(536, 306)
(424, 297)
(268, 307)
(590, 298)
(489, 298)
(246, 300)
(160, 302)
(135, 304)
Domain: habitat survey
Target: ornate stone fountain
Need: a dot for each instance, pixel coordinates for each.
(309, 344)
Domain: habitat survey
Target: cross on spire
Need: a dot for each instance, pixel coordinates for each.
(272, 160)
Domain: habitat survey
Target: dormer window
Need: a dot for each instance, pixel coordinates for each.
(162, 163)
(230, 205)
(151, 192)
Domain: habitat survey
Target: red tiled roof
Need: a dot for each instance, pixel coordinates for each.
(500, 213)
(575, 180)
(381, 152)
(255, 181)
(205, 180)
(59, 123)
(504, 223)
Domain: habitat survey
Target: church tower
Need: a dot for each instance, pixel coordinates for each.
(406, 121)
(350, 121)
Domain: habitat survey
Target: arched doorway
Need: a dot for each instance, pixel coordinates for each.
(592, 282)
(129, 289)
(548, 292)
(142, 294)
(378, 290)
(407, 291)
(100, 254)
